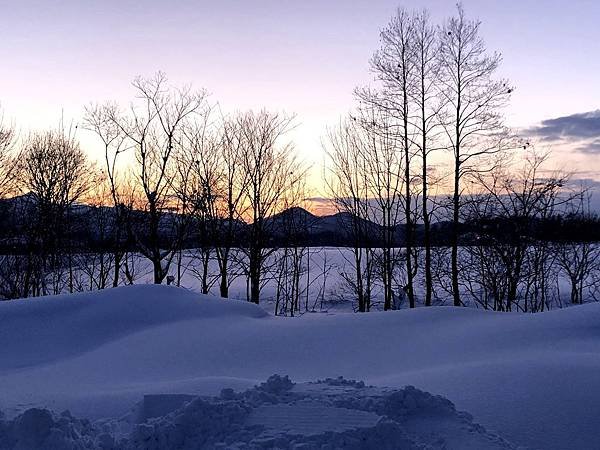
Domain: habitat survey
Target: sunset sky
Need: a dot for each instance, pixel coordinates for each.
(303, 57)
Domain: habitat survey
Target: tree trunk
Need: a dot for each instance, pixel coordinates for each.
(408, 206)
(359, 281)
(205, 262)
(158, 271)
(426, 221)
(224, 286)
(117, 256)
(454, 241)
(254, 275)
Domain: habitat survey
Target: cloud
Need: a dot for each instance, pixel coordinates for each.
(587, 183)
(590, 147)
(578, 126)
(581, 129)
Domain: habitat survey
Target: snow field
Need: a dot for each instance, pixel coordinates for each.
(533, 379)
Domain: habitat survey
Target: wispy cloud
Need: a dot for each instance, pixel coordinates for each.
(581, 130)
(590, 147)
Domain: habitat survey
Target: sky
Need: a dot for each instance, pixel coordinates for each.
(303, 57)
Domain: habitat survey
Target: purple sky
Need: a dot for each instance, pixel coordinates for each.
(299, 56)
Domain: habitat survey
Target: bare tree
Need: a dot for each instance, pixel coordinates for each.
(293, 259)
(270, 169)
(513, 199)
(55, 173)
(579, 260)
(385, 184)
(100, 120)
(96, 262)
(394, 67)
(154, 129)
(428, 104)
(347, 185)
(198, 179)
(229, 208)
(473, 118)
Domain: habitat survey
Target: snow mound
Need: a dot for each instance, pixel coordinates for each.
(40, 429)
(327, 414)
(56, 327)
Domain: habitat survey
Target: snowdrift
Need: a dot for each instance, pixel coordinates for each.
(51, 328)
(330, 414)
(533, 379)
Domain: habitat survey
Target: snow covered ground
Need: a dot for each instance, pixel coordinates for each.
(326, 414)
(532, 379)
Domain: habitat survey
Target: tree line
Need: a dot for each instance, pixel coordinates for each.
(176, 172)
(172, 168)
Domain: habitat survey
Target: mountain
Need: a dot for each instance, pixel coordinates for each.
(90, 228)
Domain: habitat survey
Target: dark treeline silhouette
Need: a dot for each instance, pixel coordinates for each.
(88, 232)
(91, 228)
(184, 188)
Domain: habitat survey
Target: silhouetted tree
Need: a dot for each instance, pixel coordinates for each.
(55, 174)
(394, 67)
(472, 118)
(100, 119)
(197, 183)
(428, 104)
(271, 169)
(347, 185)
(154, 129)
(229, 205)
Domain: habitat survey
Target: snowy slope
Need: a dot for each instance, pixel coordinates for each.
(52, 328)
(533, 379)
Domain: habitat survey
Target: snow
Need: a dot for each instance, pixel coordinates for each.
(533, 379)
(52, 328)
(313, 419)
(332, 413)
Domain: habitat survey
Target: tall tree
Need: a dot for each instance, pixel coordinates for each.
(394, 67)
(154, 129)
(231, 188)
(348, 186)
(473, 117)
(100, 120)
(197, 184)
(428, 104)
(271, 169)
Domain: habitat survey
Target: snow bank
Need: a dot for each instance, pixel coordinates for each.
(326, 414)
(40, 429)
(531, 378)
(50, 328)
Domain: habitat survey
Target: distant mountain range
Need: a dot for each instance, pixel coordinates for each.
(293, 226)
(336, 229)
(91, 228)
